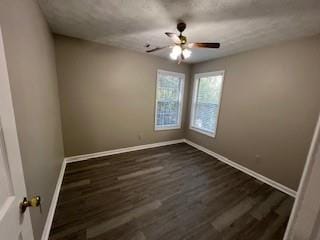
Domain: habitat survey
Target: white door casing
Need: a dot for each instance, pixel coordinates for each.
(13, 224)
(305, 216)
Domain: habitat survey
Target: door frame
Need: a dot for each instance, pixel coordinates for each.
(304, 184)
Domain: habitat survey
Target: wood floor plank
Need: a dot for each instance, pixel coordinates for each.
(284, 207)
(265, 207)
(232, 214)
(155, 156)
(173, 192)
(85, 168)
(121, 220)
(140, 172)
(80, 183)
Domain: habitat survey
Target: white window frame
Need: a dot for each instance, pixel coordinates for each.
(194, 98)
(178, 125)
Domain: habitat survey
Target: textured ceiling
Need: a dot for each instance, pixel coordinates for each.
(238, 24)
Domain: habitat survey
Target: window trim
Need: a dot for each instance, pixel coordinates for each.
(181, 95)
(197, 77)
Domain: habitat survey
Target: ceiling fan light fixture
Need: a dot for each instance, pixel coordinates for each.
(180, 49)
(173, 56)
(176, 50)
(186, 53)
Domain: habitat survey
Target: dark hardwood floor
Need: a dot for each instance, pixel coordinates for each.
(171, 192)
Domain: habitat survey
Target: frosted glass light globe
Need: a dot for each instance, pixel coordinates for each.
(186, 53)
(173, 56)
(176, 50)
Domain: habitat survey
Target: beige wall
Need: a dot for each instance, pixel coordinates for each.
(107, 96)
(30, 58)
(270, 103)
(269, 106)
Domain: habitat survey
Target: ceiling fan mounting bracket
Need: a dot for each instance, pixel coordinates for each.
(181, 26)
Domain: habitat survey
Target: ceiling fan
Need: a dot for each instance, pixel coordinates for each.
(181, 48)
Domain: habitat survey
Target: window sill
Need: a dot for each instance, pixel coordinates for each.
(209, 134)
(166, 128)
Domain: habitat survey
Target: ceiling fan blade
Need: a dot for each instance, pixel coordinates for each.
(204, 45)
(175, 38)
(156, 49)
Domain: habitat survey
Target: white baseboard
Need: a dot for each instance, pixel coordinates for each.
(53, 204)
(258, 176)
(120, 150)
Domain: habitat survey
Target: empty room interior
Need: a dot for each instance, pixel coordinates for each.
(159, 120)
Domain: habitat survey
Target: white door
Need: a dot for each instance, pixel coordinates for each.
(13, 224)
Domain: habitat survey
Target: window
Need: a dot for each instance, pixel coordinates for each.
(169, 97)
(206, 102)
